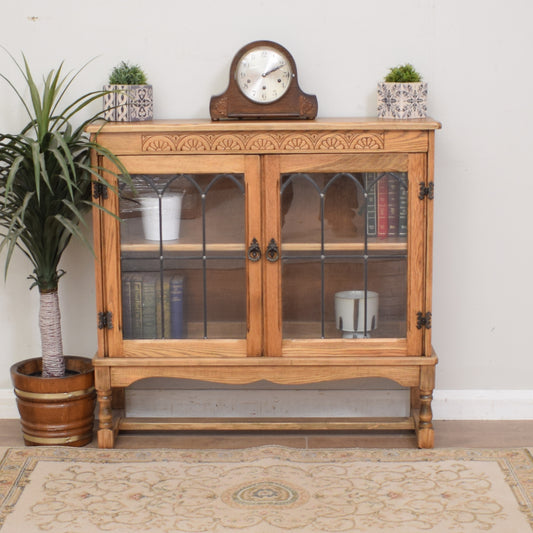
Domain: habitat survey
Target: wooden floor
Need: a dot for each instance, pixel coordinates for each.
(471, 434)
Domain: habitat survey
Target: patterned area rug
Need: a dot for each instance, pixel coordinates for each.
(268, 489)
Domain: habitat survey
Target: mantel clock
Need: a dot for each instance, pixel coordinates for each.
(263, 83)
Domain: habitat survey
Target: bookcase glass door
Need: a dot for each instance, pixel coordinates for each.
(182, 257)
(344, 254)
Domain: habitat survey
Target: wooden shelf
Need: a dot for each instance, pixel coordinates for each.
(218, 329)
(153, 246)
(184, 246)
(223, 237)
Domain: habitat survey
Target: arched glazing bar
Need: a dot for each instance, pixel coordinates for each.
(363, 184)
(159, 186)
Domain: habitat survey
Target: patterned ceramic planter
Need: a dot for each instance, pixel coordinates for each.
(402, 100)
(129, 103)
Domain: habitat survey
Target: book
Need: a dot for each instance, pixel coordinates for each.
(382, 206)
(393, 191)
(149, 313)
(136, 307)
(152, 308)
(387, 209)
(162, 308)
(127, 318)
(176, 307)
(370, 188)
(402, 206)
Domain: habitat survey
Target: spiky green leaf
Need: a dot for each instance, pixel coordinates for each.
(46, 175)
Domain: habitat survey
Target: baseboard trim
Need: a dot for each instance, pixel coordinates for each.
(8, 405)
(447, 404)
(483, 404)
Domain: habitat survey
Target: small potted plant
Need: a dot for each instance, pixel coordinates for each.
(46, 180)
(128, 98)
(402, 94)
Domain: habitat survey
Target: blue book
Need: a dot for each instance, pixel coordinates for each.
(176, 307)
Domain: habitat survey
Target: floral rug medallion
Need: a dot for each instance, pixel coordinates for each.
(266, 490)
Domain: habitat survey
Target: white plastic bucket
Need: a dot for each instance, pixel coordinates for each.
(350, 312)
(170, 217)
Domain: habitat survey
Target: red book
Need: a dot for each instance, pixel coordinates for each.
(383, 206)
(393, 202)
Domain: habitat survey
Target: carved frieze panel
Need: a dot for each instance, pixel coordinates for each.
(265, 142)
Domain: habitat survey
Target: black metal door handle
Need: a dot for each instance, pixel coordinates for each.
(254, 251)
(272, 251)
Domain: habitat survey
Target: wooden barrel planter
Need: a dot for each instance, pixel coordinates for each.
(55, 411)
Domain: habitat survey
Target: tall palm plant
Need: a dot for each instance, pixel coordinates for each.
(45, 190)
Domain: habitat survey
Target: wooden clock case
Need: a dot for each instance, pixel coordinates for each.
(232, 104)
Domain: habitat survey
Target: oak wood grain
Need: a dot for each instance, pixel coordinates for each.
(281, 349)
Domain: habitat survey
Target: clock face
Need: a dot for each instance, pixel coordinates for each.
(263, 74)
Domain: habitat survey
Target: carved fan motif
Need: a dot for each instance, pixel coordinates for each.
(368, 141)
(158, 143)
(297, 142)
(278, 142)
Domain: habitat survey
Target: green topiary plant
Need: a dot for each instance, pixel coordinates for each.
(403, 74)
(126, 74)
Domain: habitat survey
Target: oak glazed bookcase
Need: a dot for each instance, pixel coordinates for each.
(303, 255)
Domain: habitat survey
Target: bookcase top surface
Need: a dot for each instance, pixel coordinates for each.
(323, 124)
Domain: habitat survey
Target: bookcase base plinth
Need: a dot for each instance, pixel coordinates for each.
(415, 372)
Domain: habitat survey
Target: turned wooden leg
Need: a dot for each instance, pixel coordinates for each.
(425, 432)
(425, 425)
(106, 436)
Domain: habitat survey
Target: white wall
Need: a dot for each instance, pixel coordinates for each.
(476, 56)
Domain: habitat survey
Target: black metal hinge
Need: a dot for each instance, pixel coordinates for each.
(423, 320)
(99, 190)
(105, 320)
(428, 191)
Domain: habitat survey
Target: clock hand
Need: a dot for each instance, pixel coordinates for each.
(265, 74)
